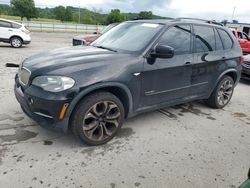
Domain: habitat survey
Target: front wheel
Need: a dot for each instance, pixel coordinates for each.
(16, 42)
(98, 118)
(222, 94)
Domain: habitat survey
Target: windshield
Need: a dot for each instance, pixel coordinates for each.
(131, 37)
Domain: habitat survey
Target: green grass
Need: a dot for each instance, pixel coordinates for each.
(17, 18)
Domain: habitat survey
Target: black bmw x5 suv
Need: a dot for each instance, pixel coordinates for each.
(135, 67)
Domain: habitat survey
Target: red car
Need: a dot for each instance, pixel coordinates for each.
(87, 39)
(243, 39)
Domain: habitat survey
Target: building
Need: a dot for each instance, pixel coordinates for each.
(245, 27)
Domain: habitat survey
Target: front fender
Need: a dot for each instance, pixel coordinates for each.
(90, 89)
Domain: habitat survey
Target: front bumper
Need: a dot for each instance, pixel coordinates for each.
(42, 107)
(26, 42)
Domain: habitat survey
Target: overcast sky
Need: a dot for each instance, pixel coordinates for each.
(209, 9)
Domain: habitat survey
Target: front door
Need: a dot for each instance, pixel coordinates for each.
(5, 30)
(167, 80)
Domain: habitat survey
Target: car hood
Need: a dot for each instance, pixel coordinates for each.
(68, 60)
(86, 37)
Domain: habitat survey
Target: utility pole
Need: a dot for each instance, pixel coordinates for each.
(79, 15)
(233, 13)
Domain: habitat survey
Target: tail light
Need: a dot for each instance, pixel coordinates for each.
(25, 30)
(241, 59)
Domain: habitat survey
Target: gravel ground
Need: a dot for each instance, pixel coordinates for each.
(187, 146)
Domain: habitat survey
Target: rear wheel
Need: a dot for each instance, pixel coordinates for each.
(222, 94)
(98, 118)
(16, 42)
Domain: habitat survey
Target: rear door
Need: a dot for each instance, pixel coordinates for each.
(5, 30)
(209, 54)
(167, 80)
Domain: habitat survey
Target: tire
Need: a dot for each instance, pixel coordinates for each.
(222, 93)
(97, 118)
(16, 42)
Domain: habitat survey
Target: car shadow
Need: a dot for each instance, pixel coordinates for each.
(244, 81)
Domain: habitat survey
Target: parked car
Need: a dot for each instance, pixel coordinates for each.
(87, 39)
(243, 39)
(14, 33)
(245, 73)
(135, 67)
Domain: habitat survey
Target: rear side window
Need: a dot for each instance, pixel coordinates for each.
(5, 24)
(16, 26)
(179, 38)
(219, 45)
(226, 39)
(204, 39)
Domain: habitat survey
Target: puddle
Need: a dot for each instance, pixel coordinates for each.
(124, 133)
(239, 114)
(2, 151)
(211, 118)
(20, 135)
(47, 142)
(189, 108)
(167, 113)
(6, 117)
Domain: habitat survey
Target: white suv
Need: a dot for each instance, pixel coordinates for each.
(14, 33)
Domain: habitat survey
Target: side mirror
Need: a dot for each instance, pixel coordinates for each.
(163, 51)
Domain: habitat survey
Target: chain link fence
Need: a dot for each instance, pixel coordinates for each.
(62, 27)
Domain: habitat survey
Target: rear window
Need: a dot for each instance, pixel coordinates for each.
(16, 26)
(5, 24)
(219, 45)
(226, 39)
(204, 39)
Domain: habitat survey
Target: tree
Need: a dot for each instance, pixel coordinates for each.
(145, 15)
(68, 14)
(115, 16)
(60, 13)
(63, 14)
(24, 8)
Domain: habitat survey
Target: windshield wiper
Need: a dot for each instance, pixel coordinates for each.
(106, 48)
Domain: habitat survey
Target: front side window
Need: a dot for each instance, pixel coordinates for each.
(226, 39)
(130, 37)
(179, 38)
(5, 24)
(204, 39)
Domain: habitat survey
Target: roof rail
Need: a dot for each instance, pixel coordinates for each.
(198, 19)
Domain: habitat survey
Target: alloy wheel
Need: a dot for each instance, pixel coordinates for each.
(225, 92)
(101, 121)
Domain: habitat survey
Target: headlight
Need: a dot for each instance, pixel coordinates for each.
(53, 83)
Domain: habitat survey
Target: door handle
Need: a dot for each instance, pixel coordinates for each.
(10, 30)
(188, 63)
